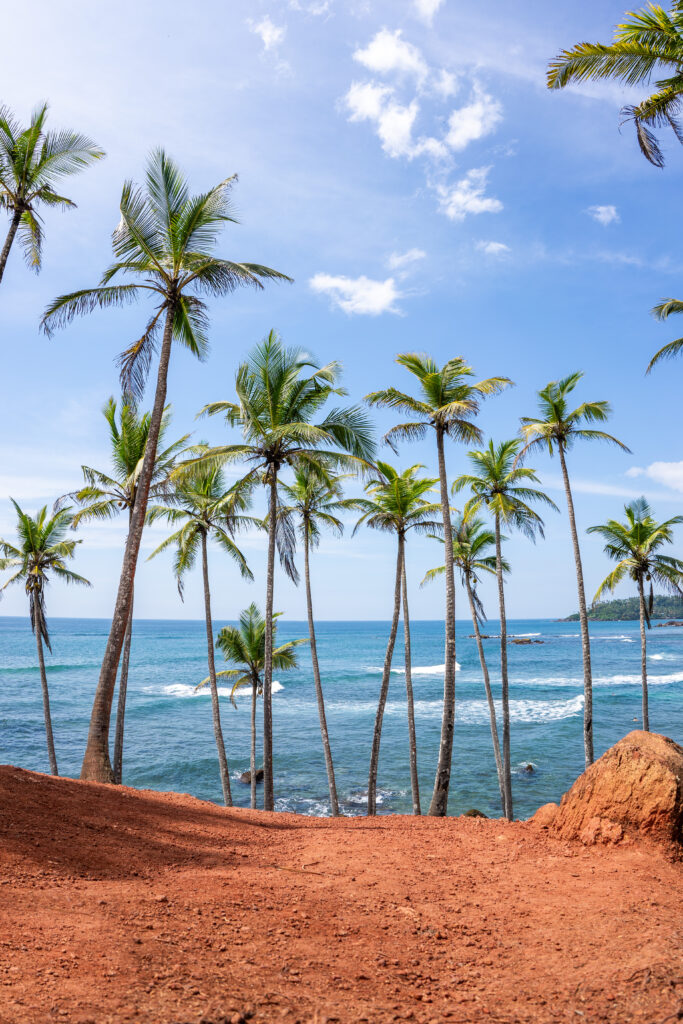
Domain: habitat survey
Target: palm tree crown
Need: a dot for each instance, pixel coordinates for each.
(33, 162)
(556, 426)
(396, 501)
(473, 553)
(648, 42)
(316, 502)
(42, 549)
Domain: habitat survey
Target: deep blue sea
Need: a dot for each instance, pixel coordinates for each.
(169, 736)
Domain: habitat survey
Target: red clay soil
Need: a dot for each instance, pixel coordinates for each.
(118, 905)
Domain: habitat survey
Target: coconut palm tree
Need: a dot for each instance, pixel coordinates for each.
(204, 510)
(472, 542)
(244, 646)
(662, 311)
(105, 496)
(557, 428)
(164, 247)
(316, 502)
(502, 487)
(33, 163)
(447, 402)
(648, 43)
(41, 550)
(396, 504)
(279, 393)
(634, 546)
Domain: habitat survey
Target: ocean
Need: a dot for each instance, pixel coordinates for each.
(169, 735)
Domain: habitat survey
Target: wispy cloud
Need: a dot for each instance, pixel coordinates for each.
(426, 9)
(493, 248)
(270, 34)
(403, 260)
(467, 196)
(478, 118)
(358, 295)
(604, 214)
(599, 487)
(670, 474)
(393, 121)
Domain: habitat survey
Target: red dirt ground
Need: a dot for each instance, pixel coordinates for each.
(124, 906)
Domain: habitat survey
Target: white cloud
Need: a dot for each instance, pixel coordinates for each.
(445, 84)
(476, 119)
(670, 474)
(604, 214)
(493, 248)
(426, 9)
(467, 196)
(360, 295)
(401, 260)
(314, 7)
(387, 52)
(394, 122)
(271, 35)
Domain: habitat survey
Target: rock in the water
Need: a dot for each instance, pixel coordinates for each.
(245, 777)
(636, 787)
(474, 813)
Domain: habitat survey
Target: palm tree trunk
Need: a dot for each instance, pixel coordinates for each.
(643, 654)
(268, 789)
(215, 707)
(46, 703)
(489, 695)
(384, 689)
(412, 737)
(583, 619)
(334, 802)
(96, 764)
(121, 707)
(252, 756)
(442, 781)
(13, 228)
(507, 776)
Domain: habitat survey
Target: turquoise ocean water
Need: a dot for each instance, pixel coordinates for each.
(169, 737)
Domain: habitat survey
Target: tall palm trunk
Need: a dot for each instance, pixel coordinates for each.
(384, 689)
(334, 802)
(46, 703)
(252, 753)
(643, 653)
(121, 706)
(442, 781)
(487, 687)
(412, 737)
(13, 228)
(215, 707)
(268, 789)
(96, 764)
(583, 619)
(504, 675)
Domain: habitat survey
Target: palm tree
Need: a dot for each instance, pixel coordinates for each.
(279, 392)
(447, 403)
(396, 504)
(104, 496)
(556, 429)
(662, 311)
(472, 541)
(245, 646)
(165, 242)
(202, 508)
(634, 545)
(41, 550)
(648, 42)
(33, 162)
(502, 488)
(316, 501)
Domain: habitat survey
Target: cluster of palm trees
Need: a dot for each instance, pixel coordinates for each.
(300, 450)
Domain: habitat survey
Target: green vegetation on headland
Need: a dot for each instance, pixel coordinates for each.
(627, 609)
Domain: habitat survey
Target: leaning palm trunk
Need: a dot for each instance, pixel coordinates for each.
(489, 695)
(334, 802)
(504, 676)
(46, 704)
(13, 228)
(215, 707)
(583, 619)
(643, 654)
(121, 706)
(384, 689)
(412, 738)
(268, 788)
(252, 752)
(439, 804)
(96, 764)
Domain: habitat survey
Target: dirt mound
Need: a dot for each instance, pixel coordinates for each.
(119, 906)
(634, 789)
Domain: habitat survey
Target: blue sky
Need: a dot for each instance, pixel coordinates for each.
(404, 162)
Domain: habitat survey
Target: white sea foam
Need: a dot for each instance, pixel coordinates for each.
(185, 690)
(416, 670)
(476, 712)
(525, 634)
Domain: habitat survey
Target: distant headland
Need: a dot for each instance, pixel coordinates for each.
(627, 608)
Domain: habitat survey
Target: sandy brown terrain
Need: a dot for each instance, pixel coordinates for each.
(118, 905)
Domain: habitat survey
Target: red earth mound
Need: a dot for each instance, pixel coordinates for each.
(121, 906)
